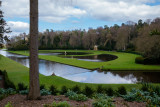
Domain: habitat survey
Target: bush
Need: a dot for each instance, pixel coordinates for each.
(139, 60)
(45, 92)
(103, 103)
(5, 92)
(88, 91)
(76, 89)
(78, 97)
(74, 96)
(109, 91)
(60, 104)
(23, 92)
(100, 89)
(42, 86)
(101, 96)
(7, 82)
(121, 91)
(21, 86)
(53, 90)
(64, 90)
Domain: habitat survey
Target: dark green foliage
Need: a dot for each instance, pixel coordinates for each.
(100, 89)
(151, 98)
(101, 96)
(23, 92)
(21, 86)
(7, 82)
(5, 92)
(139, 60)
(70, 93)
(154, 32)
(53, 90)
(145, 87)
(76, 89)
(64, 90)
(60, 104)
(42, 86)
(109, 91)
(45, 92)
(121, 91)
(88, 91)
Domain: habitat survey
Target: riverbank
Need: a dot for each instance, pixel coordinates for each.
(124, 62)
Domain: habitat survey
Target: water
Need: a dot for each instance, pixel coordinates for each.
(48, 68)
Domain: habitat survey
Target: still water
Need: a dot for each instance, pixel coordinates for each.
(48, 68)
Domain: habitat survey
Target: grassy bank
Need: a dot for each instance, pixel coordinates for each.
(125, 61)
(19, 73)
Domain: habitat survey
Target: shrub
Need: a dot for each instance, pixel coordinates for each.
(109, 91)
(139, 60)
(121, 91)
(21, 86)
(145, 87)
(60, 104)
(42, 86)
(103, 103)
(53, 90)
(76, 89)
(100, 89)
(64, 90)
(23, 92)
(7, 82)
(45, 92)
(78, 97)
(5, 92)
(74, 96)
(101, 96)
(70, 93)
(88, 91)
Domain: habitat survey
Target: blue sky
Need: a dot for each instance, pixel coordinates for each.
(78, 14)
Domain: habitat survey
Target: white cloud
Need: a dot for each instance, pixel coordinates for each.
(108, 10)
(18, 27)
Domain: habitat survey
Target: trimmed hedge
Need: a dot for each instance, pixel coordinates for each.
(147, 61)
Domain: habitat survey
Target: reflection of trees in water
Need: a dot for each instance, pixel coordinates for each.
(141, 76)
(49, 66)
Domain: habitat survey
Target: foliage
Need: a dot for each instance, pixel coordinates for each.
(151, 98)
(101, 96)
(76, 89)
(103, 103)
(21, 86)
(23, 92)
(42, 86)
(5, 92)
(60, 104)
(121, 90)
(64, 90)
(109, 91)
(74, 96)
(7, 82)
(8, 104)
(88, 91)
(53, 90)
(139, 60)
(45, 92)
(100, 89)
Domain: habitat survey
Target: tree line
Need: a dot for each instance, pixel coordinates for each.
(142, 37)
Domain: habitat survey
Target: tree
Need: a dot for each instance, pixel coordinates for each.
(34, 89)
(3, 28)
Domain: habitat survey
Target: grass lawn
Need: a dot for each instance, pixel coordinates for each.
(125, 61)
(19, 73)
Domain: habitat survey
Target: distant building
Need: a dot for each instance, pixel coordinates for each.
(95, 47)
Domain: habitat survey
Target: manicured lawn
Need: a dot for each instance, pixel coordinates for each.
(19, 73)
(125, 61)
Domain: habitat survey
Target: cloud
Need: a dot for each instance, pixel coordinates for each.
(107, 10)
(18, 27)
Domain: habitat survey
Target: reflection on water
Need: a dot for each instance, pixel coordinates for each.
(95, 58)
(48, 68)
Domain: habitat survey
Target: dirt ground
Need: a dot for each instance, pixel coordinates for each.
(20, 101)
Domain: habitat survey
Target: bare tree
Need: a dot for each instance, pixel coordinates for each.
(34, 89)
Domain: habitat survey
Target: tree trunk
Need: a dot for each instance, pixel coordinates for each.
(34, 90)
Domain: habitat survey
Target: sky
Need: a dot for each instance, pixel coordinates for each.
(78, 14)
